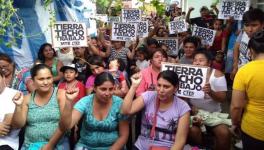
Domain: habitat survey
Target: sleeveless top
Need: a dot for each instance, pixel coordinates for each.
(54, 67)
(65, 58)
(42, 121)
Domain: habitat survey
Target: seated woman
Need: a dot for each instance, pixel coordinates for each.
(165, 117)
(97, 66)
(47, 55)
(104, 127)
(39, 112)
(8, 136)
(215, 93)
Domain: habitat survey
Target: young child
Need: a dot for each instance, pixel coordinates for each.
(70, 73)
(141, 59)
(218, 62)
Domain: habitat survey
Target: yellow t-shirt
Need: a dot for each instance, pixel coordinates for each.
(250, 79)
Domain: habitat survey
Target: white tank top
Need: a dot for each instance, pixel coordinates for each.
(207, 103)
(65, 58)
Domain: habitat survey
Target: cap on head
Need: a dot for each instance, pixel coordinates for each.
(69, 66)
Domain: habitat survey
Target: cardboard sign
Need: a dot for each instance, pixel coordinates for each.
(112, 19)
(171, 43)
(207, 35)
(69, 34)
(131, 15)
(191, 79)
(124, 31)
(177, 26)
(233, 8)
(142, 30)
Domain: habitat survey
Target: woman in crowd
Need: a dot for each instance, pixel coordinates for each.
(8, 136)
(81, 56)
(39, 112)
(165, 117)
(248, 97)
(97, 66)
(150, 74)
(47, 55)
(215, 93)
(103, 126)
(20, 80)
(65, 55)
(119, 51)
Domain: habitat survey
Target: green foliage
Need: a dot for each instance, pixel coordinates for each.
(9, 20)
(160, 7)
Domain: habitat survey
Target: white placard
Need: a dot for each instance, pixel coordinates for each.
(233, 8)
(114, 19)
(131, 15)
(177, 26)
(143, 29)
(191, 79)
(171, 43)
(69, 34)
(207, 35)
(124, 31)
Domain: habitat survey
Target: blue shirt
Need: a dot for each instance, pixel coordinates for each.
(99, 135)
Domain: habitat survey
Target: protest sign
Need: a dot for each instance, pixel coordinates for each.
(191, 79)
(233, 8)
(142, 30)
(124, 31)
(131, 15)
(69, 34)
(207, 35)
(171, 43)
(112, 19)
(177, 26)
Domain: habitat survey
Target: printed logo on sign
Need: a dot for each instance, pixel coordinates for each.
(171, 43)
(207, 35)
(68, 34)
(191, 79)
(131, 15)
(124, 31)
(233, 8)
(177, 26)
(142, 28)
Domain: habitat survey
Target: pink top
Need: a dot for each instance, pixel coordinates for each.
(90, 81)
(149, 80)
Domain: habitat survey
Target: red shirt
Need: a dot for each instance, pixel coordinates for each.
(79, 85)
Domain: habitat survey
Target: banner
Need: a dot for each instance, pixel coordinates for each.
(124, 31)
(191, 79)
(207, 35)
(131, 15)
(69, 34)
(142, 30)
(177, 26)
(233, 8)
(171, 43)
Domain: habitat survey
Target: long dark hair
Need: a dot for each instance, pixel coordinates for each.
(103, 77)
(36, 68)
(41, 56)
(170, 76)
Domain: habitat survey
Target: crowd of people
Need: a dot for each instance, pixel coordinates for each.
(84, 98)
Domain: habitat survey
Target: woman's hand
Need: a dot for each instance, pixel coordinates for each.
(47, 147)
(4, 129)
(18, 99)
(71, 94)
(207, 88)
(136, 79)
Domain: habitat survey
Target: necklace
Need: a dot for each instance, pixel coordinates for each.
(71, 86)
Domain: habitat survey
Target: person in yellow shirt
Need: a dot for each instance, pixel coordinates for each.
(247, 106)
